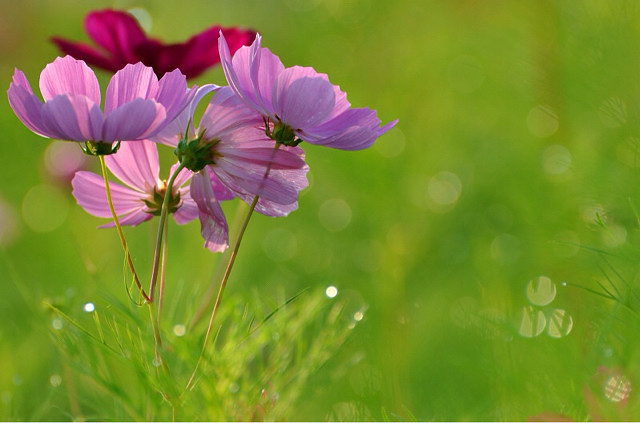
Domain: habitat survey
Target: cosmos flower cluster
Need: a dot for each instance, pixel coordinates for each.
(246, 144)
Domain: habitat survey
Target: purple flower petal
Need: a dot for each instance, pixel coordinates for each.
(172, 90)
(72, 118)
(213, 224)
(226, 113)
(354, 129)
(251, 73)
(188, 209)
(297, 179)
(66, 75)
(136, 103)
(182, 177)
(128, 84)
(221, 192)
(132, 121)
(136, 164)
(89, 191)
(246, 179)
(26, 105)
(172, 133)
(302, 98)
(261, 156)
(130, 219)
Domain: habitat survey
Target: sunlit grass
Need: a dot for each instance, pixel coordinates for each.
(490, 241)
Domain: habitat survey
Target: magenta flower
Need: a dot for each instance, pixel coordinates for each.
(298, 103)
(135, 164)
(136, 105)
(122, 41)
(230, 147)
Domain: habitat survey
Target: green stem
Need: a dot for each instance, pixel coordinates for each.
(232, 259)
(223, 284)
(158, 340)
(161, 225)
(163, 263)
(119, 228)
(210, 295)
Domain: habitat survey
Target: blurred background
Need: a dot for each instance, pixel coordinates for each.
(486, 248)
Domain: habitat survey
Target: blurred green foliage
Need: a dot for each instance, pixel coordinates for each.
(516, 156)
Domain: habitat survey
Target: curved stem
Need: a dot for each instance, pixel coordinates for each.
(161, 225)
(119, 228)
(223, 284)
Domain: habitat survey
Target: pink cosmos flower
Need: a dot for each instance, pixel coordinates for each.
(298, 103)
(230, 147)
(136, 105)
(122, 41)
(135, 164)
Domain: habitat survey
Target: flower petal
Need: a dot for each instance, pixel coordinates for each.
(174, 131)
(89, 54)
(117, 32)
(26, 105)
(182, 177)
(248, 180)
(227, 112)
(68, 76)
(261, 156)
(354, 129)
(132, 121)
(128, 84)
(73, 118)
(213, 224)
(303, 98)
(188, 209)
(221, 192)
(196, 54)
(251, 73)
(89, 191)
(172, 93)
(136, 164)
(297, 179)
(133, 218)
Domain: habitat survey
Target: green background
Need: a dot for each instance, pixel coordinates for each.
(516, 157)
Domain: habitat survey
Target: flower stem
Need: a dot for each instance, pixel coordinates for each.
(223, 284)
(162, 270)
(158, 341)
(119, 228)
(161, 226)
(232, 259)
(210, 295)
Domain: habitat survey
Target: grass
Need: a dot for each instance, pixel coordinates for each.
(516, 157)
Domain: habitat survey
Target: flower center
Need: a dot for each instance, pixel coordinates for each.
(154, 202)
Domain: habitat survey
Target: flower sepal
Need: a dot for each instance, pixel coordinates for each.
(94, 148)
(195, 154)
(281, 133)
(155, 202)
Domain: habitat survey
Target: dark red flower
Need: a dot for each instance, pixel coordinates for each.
(121, 40)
